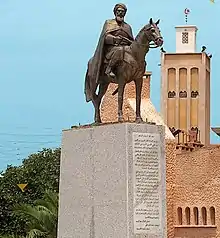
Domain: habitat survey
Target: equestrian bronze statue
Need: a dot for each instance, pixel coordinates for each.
(120, 59)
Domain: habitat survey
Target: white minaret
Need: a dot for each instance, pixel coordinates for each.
(186, 39)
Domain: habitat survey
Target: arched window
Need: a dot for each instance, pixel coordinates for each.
(212, 215)
(187, 214)
(171, 79)
(196, 215)
(180, 216)
(204, 216)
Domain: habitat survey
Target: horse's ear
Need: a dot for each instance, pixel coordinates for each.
(151, 21)
(157, 22)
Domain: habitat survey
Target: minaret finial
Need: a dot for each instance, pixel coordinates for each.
(186, 11)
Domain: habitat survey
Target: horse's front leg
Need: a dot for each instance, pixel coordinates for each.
(121, 87)
(102, 90)
(138, 85)
(97, 118)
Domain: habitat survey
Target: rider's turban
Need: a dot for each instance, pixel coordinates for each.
(121, 5)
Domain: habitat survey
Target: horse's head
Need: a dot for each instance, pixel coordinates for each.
(152, 32)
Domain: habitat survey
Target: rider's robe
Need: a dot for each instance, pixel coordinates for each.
(96, 62)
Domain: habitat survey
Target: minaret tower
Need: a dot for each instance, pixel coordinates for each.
(185, 85)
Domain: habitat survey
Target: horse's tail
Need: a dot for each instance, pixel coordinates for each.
(116, 91)
(90, 82)
(87, 88)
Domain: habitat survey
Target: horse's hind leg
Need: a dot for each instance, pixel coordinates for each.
(102, 90)
(138, 85)
(121, 88)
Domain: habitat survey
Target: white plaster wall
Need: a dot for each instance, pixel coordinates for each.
(191, 46)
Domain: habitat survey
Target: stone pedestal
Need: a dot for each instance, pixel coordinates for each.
(112, 182)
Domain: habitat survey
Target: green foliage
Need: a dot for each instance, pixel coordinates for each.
(41, 172)
(42, 218)
(11, 236)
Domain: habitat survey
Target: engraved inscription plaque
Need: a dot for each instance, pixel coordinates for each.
(146, 179)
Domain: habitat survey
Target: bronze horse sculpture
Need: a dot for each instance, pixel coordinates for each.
(132, 68)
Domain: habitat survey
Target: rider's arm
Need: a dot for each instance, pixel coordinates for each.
(111, 40)
(132, 37)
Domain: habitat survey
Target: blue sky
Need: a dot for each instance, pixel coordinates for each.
(44, 49)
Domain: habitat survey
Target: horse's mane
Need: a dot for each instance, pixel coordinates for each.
(140, 32)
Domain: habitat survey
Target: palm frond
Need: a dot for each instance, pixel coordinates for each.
(34, 233)
(26, 209)
(49, 201)
(42, 218)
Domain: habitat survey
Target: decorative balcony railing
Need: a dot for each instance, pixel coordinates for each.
(187, 140)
